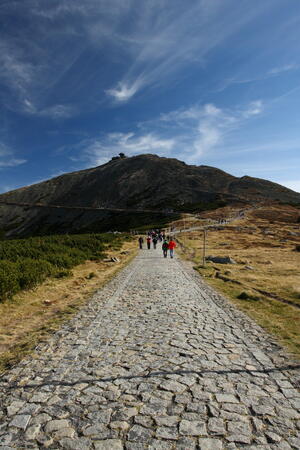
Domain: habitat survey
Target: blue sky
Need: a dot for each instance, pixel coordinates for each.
(214, 82)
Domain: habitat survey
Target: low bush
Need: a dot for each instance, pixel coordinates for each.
(32, 272)
(9, 279)
(248, 296)
(24, 263)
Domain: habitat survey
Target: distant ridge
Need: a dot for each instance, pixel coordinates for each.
(144, 182)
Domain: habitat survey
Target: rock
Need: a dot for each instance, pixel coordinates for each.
(210, 444)
(139, 434)
(216, 426)
(20, 421)
(261, 410)
(108, 444)
(221, 259)
(55, 425)
(168, 421)
(125, 414)
(97, 430)
(226, 398)
(44, 440)
(273, 438)
(192, 428)
(123, 426)
(65, 432)
(41, 418)
(32, 431)
(14, 407)
(167, 433)
(157, 444)
(173, 386)
(75, 444)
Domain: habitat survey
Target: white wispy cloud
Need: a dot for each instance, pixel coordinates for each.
(145, 44)
(168, 43)
(7, 158)
(53, 112)
(123, 92)
(283, 68)
(253, 109)
(205, 128)
(189, 133)
(97, 151)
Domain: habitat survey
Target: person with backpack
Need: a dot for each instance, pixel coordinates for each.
(165, 247)
(141, 240)
(148, 242)
(171, 246)
(154, 240)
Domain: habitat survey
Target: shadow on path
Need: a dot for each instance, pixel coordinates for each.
(149, 375)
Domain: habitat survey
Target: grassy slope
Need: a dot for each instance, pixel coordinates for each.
(265, 241)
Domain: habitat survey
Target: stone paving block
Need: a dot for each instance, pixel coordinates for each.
(210, 444)
(55, 425)
(216, 426)
(75, 444)
(192, 428)
(20, 421)
(139, 434)
(108, 444)
(226, 398)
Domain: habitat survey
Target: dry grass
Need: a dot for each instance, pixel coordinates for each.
(33, 315)
(263, 246)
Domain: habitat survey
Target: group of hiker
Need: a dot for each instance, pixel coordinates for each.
(168, 244)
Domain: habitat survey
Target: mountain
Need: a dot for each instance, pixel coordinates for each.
(144, 182)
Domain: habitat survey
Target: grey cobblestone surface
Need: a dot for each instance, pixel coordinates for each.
(156, 360)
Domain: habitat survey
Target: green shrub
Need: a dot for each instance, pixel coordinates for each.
(9, 280)
(25, 263)
(63, 273)
(32, 272)
(248, 296)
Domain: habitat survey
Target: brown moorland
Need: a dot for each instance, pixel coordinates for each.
(263, 243)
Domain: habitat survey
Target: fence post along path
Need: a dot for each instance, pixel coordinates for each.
(155, 360)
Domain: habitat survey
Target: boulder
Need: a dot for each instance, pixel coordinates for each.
(221, 259)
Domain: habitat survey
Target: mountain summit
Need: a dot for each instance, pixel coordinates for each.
(144, 182)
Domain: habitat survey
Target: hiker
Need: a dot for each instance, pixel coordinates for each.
(154, 240)
(148, 242)
(165, 247)
(171, 246)
(141, 240)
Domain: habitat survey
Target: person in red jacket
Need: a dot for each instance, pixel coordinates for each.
(172, 245)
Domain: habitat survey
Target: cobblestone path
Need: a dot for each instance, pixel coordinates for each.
(157, 360)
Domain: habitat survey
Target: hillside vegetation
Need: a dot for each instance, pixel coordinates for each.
(25, 263)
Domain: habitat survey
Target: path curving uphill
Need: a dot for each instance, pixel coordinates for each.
(156, 360)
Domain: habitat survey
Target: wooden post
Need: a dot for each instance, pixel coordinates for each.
(204, 246)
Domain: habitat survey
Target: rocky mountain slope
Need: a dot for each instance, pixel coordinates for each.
(137, 183)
